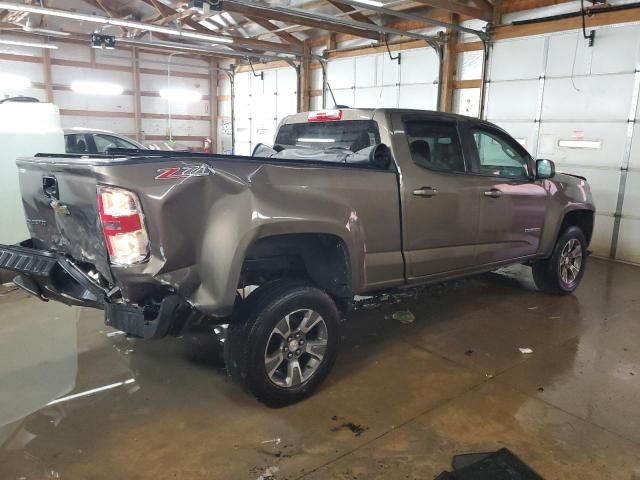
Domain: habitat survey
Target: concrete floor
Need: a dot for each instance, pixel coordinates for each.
(400, 402)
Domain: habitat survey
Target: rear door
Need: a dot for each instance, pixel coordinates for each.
(439, 195)
(512, 203)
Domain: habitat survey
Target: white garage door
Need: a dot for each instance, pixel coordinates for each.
(377, 81)
(576, 105)
(260, 104)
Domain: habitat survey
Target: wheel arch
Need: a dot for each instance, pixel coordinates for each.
(321, 257)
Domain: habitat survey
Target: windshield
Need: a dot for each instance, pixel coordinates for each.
(352, 135)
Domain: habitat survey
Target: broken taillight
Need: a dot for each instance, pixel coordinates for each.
(123, 225)
(325, 116)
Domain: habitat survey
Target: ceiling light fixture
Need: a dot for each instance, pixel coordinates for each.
(28, 44)
(97, 88)
(373, 3)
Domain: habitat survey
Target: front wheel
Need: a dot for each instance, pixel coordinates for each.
(561, 273)
(283, 342)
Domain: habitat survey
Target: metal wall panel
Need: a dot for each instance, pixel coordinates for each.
(600, 98)
(377, 81)
(260, 103)
(512, 100)
(517, 59)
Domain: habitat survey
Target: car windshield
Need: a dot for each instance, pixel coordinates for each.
(351, 135)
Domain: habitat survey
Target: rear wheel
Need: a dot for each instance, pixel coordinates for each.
(283, 342)
(561, 273)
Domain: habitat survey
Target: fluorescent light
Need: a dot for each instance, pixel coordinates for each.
(590, 144)
(180, 95)
(317, 140)
(97, 88)
(28, 44)
(205, 37)
(13, 82)
(373, 3)
(52, 12)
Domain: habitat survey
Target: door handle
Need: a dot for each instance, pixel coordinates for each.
(494, 193)
(50, 187)
(426, 192)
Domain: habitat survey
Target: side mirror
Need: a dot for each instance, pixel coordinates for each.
(545, 169)
(380, 156)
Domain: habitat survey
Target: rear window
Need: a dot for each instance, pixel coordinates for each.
(353, 135)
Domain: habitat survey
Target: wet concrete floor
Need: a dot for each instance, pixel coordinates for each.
(80, 401)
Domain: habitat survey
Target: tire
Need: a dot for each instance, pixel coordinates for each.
(553, 275)
(257, 334)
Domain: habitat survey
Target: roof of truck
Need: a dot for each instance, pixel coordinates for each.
(368, 113)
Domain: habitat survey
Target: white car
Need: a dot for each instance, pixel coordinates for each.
(92, 142)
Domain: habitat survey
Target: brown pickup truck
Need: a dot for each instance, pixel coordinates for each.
(345, 203)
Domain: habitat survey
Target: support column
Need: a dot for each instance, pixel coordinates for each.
(449, 69)
(213, 105)
(137, 103)
(305, 83)
(48, 76)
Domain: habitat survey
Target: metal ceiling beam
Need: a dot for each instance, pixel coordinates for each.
(269, 11)
(297, 17)
(416, 18)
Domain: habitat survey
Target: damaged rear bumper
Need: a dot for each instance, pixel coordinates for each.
(52, 276)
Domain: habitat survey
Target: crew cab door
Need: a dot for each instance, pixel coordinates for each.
(440, 208)
(512, 203)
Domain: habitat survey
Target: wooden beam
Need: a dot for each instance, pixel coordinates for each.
(357, 16)
(305, 79)
(48, 76)
(469, 46)
(449, 68)
(459, 8)
(475, 83)
(294, 19)
(498, 10)
(271, 27)
(510, 6)
(137, 102)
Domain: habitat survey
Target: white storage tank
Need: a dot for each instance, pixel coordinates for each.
(26, 128)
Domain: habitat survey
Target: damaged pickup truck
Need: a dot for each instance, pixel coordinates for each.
(346, 202)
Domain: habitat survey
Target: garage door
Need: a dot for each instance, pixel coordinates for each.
(377, 81)
(577, 106)
(260, 104)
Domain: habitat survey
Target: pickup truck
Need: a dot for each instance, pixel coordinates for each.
(346, 203)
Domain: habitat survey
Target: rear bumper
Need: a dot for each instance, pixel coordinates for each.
(52, 276)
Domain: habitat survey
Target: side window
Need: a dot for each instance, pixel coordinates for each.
(105, 142)
(435, 145)
(499, 157)
(76, 143)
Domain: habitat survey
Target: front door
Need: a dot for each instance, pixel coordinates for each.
(512, 203)
(439, 196)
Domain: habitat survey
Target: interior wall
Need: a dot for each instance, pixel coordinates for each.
(378, 81)
(190, 122)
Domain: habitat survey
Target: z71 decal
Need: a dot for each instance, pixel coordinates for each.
(172, 173)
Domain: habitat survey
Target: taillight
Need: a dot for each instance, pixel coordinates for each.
(123, 225)
(325, 116)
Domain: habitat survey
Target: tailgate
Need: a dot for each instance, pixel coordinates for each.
(61, 207)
